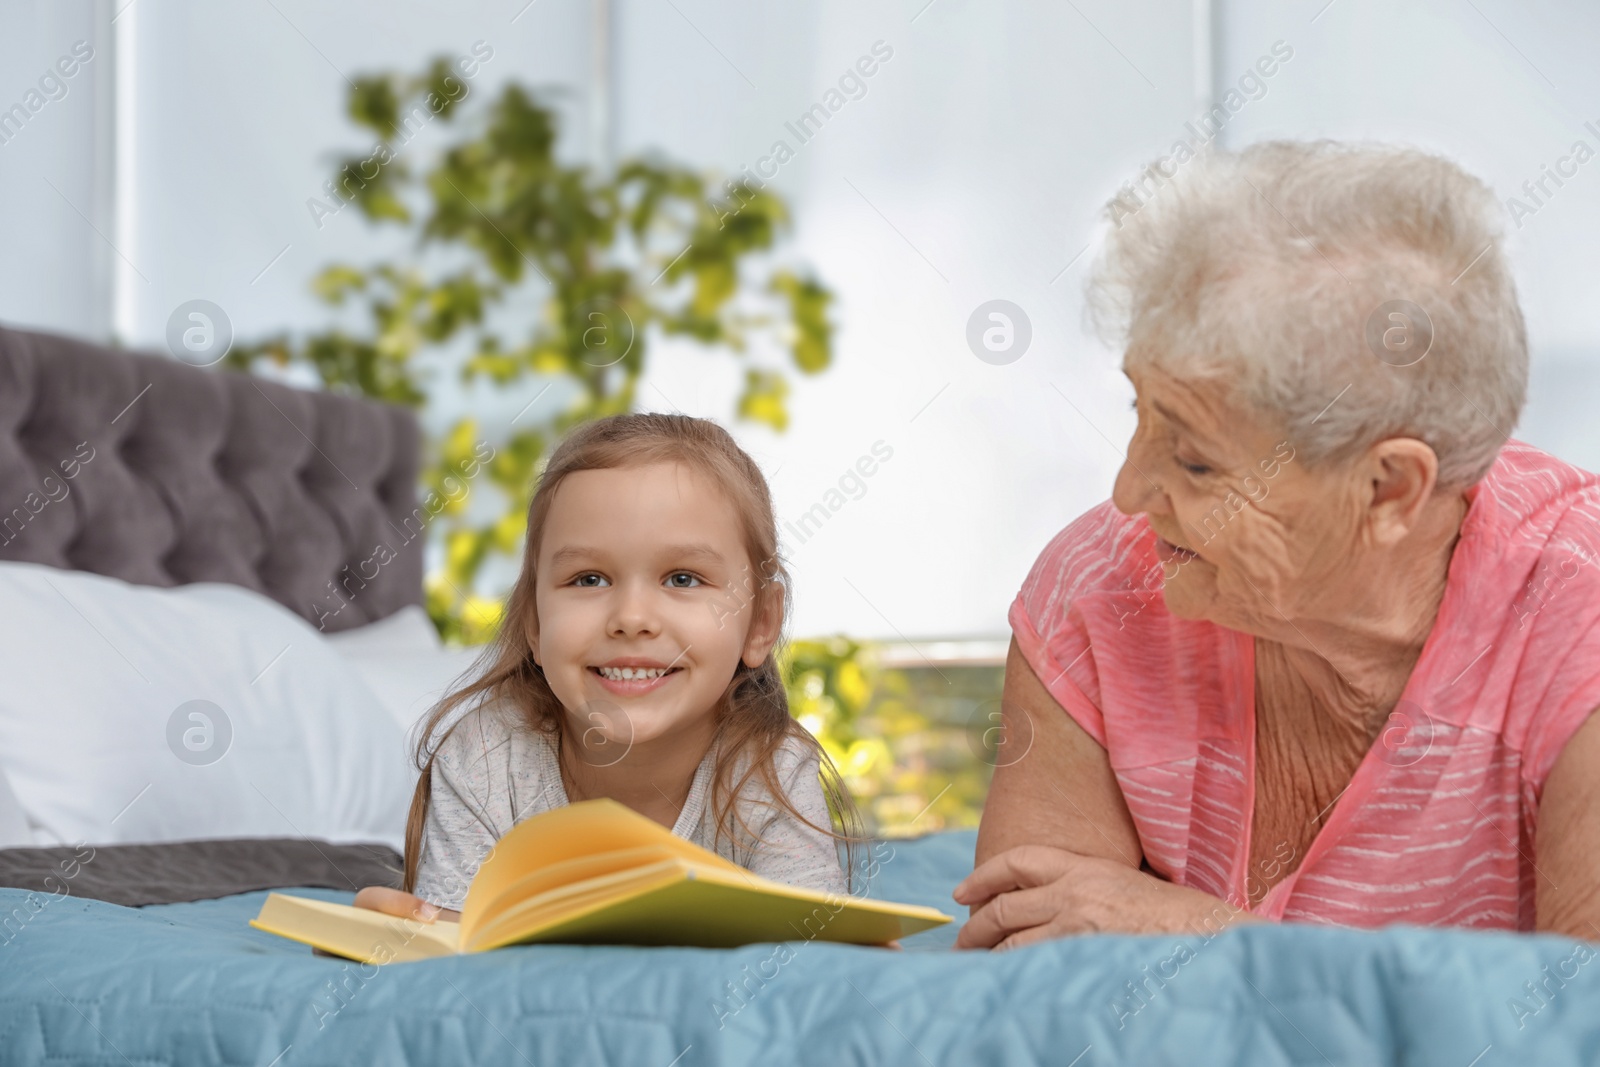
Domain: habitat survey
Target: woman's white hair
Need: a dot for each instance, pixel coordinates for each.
(1263, 269)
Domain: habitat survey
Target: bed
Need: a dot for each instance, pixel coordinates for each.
(208, 688)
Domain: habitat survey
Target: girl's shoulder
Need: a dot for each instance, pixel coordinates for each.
(494, 735)
(797, 775)
(795, 761)
(783, 833)
(795, 771)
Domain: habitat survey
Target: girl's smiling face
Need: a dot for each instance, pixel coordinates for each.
(645, 605)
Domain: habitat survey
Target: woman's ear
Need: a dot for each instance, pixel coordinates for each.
(765, 625)
(1402, 473)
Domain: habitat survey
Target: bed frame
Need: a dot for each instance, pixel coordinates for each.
(159, 473)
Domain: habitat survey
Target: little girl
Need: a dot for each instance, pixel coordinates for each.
(636, 661)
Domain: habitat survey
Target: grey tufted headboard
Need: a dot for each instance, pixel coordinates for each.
(159, 473)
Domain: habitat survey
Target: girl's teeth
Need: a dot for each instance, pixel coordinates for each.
(628, 674)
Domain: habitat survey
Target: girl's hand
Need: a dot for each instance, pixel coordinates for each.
(404, 905)
(1032, 893)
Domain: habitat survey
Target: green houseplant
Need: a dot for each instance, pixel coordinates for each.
(590, 266)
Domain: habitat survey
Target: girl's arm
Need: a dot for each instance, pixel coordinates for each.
(457, 835)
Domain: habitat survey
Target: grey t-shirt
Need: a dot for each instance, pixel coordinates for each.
(494, 770)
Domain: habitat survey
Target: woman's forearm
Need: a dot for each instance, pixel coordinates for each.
(1053, 783)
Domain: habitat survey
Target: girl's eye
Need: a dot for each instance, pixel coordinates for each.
(682, 580)
(583, 581)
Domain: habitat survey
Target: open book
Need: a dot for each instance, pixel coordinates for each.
(597, 872)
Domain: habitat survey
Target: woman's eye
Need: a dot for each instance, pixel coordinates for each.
(1195, 468)
(589, 581)
(682, 580)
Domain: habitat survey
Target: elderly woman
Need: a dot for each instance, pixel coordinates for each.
(1330, 651)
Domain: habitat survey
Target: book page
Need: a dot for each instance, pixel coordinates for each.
(356, 933)
(573, 832)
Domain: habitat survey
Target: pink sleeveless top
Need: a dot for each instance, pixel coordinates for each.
(1437, 826)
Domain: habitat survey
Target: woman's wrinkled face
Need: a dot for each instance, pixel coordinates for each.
(1248, 538)
(645, 605)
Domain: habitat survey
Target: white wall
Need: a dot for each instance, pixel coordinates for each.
(238, 115)
(970, 170)
(973, 168)
(55, 167)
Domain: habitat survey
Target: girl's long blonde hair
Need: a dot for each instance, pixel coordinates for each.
(752, 716)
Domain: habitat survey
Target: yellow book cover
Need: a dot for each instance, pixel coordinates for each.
(597, 872)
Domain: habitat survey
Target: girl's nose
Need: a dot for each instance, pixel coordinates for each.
(633, 612)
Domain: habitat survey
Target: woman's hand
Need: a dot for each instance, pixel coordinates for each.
(1032, 893)
(404, 905)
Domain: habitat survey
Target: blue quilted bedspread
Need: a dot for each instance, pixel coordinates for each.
(83, 982)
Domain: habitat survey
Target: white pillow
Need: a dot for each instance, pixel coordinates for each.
(410, 683)
(407, 630)
(133, 714)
